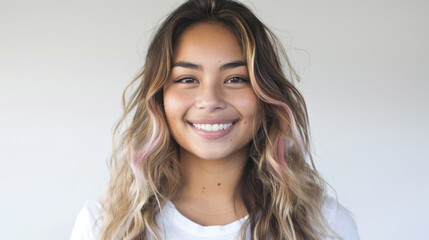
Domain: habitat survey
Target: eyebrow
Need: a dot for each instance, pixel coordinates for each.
(224, 67)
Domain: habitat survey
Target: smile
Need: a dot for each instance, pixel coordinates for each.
(213, 127)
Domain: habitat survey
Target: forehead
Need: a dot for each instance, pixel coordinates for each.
(208, 40)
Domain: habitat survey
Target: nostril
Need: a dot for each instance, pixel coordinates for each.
(211, 105)
(210, 98)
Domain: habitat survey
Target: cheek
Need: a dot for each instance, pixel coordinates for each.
(169, 106)
(175, 104)
(248, 103)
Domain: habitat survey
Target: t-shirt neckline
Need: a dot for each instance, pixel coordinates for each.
(170, 212)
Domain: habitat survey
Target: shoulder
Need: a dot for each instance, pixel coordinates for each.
(339, 219)
(88, 221)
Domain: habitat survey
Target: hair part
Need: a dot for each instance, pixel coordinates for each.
(283, 190)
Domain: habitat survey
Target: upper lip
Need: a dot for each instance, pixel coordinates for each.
(212, 121)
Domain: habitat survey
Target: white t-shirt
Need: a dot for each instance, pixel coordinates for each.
(178, 227)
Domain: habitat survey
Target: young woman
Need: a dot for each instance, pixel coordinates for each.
(215, 143)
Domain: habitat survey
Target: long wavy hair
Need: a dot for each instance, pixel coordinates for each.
(282, 189)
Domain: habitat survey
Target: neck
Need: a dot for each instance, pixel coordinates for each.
(208, 186)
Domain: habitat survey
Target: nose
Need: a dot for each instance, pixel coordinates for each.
(210, 98)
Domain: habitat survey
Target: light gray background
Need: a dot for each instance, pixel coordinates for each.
(64, 64)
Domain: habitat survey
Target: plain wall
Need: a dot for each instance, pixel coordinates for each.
(364, 68)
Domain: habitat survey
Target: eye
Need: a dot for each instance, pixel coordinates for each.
(236, 80)
(187, 80)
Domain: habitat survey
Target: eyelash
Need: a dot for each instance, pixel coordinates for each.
(182, 80)
(242, 80)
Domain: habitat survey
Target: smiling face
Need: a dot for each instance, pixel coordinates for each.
(209, 102)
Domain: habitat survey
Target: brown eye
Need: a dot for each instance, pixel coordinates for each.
(236, 80)
(187, 80)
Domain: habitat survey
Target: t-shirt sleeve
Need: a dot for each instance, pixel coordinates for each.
(340, 220)
(88, 222)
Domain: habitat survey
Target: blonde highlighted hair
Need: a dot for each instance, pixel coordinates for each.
(282, 189)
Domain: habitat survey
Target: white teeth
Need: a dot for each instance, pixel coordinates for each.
(212, 127)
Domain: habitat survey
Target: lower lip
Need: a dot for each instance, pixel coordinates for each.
(213, 134)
